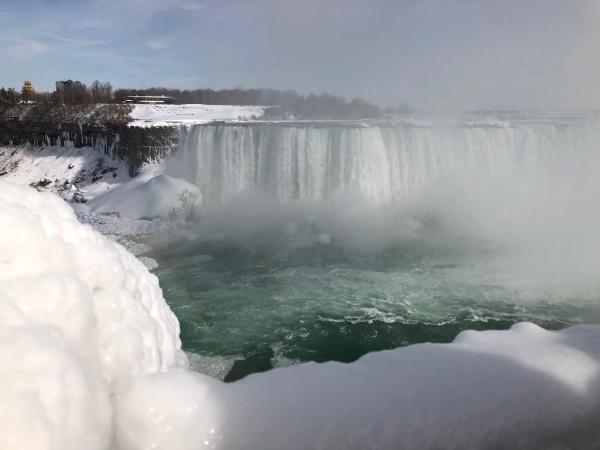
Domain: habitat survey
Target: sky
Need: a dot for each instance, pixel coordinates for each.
(430, 54)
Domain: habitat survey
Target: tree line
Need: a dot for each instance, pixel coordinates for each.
(69, 93)
(290, 103)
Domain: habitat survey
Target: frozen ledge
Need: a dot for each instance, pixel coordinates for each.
(91, 359)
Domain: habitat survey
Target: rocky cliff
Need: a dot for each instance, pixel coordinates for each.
(103, 127)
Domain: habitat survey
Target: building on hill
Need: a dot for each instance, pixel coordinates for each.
(150, 99)
(27, 90)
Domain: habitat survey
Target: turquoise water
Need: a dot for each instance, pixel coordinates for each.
(258, 305)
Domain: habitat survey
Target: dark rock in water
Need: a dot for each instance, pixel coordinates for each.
(103, 127)
(257, 360)
(41, 184)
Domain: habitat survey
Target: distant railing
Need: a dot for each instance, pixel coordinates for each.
(149, 99)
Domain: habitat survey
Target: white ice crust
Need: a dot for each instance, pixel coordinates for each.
(90, 358)
(82, 321)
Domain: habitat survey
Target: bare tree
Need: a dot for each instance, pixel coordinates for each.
(101, 92)
(9, 96)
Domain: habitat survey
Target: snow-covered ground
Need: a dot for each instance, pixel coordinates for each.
(173, 115)
(101, 192)
(90, 358)
(98, 183)
(69, 171)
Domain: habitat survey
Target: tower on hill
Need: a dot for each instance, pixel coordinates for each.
(27, 90)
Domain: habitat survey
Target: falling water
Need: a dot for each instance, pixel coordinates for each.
(322, 241)
(385, 162)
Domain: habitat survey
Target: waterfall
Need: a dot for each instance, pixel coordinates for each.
(384, 162)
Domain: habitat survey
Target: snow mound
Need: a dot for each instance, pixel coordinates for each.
(149, 196)
(82, 323)
(523, 388)
(173, 115)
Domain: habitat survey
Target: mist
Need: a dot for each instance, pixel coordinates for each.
(513, 201)
(536, 237)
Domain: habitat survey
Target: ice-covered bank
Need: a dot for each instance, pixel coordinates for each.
(85, 175)
(90, 358)
(82, 323)
(66, 170)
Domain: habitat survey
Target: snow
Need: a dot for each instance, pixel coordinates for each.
(79, 175)
(148, 206)
(62, 169)
(81, 320)
(149, 196)
(174, 115)
(522, 388)
(169, 411)
(90, 358)
(143, 206)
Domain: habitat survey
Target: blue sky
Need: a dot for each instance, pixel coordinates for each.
(433, 54)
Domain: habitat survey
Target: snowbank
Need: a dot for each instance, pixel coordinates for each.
(65, 170)
(526, 388)
(149, 196)
(173, 115)
(83, 174)
(90, 358)
(82, 322)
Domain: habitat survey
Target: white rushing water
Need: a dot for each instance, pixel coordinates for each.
(383, 162)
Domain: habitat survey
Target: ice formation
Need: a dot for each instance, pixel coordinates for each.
(82, 324)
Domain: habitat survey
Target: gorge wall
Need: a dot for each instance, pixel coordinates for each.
(102, 127)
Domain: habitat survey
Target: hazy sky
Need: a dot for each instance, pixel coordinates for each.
(440, 54)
